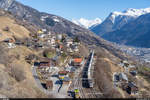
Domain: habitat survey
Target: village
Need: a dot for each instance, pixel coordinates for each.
(60, 63)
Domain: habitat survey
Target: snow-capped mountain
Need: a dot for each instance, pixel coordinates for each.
(134, 33)
(116, 20)
(87, 23)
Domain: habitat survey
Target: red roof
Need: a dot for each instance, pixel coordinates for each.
(78, 60)
(63, 72)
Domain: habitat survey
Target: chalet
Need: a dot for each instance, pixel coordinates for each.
(77, 62)
(49, 85)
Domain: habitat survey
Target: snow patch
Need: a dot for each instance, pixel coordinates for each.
(87, 23)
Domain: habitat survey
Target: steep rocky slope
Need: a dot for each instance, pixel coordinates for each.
(16, 75)
(135, 33)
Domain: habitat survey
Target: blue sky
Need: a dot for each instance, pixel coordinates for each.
(89, 9)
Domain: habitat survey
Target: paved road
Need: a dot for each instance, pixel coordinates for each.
(39, 82)
(54, 92)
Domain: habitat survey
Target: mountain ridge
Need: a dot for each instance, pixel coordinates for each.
(116, 20)
(135, 33)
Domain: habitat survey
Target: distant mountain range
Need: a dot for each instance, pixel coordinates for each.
(87, 23)
(129, 27)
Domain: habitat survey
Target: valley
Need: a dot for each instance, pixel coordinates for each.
(47, 56)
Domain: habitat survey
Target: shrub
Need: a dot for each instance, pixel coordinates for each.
(17, 73)
(49, 53)
(6, 29)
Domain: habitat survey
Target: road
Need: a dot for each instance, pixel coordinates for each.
(53, 92)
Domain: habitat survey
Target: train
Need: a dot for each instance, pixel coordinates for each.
(87, 74)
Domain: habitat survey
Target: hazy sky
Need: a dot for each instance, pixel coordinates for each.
(89, 9)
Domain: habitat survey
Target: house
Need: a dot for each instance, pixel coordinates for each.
(45, 65)
(52, 40)
(116, 78)
(59, 36)
(38, 45)
(49, 85)
(18, 42)
(131, 66)
(69, 50)
(77, 62)
(69, 42)
(11, 45)
(62, 74)
(42, 35)
(123, 77)
(60, 47)
(40, 32)
(70, 69)
(134, 72)
(9, 40)
(44, 30)
(75, 48)
(132, 88)
(126, 64)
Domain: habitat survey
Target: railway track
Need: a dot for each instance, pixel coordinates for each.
(78, 81)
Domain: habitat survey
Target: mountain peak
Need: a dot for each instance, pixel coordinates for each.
(116, 20)
(132, 12)
(87, 23)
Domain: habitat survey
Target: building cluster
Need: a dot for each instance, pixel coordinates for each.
(122, 79)
(61, 44)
